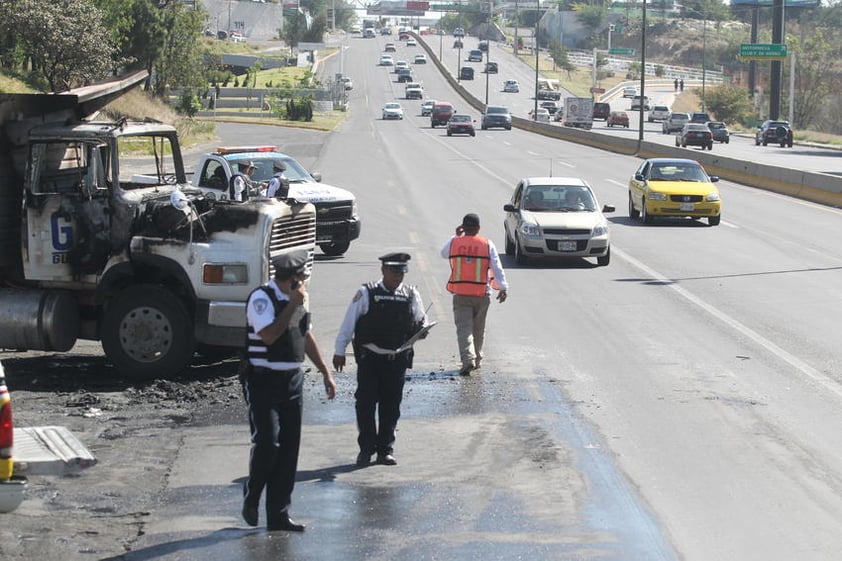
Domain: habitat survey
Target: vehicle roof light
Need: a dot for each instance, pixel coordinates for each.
(240, 149)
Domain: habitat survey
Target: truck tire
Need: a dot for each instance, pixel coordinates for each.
(147, 332)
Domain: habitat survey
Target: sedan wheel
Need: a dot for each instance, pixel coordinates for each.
(605, 259)
(510, 246)
(633, 212)
(644, 216)
(520, 257)
(714, 220)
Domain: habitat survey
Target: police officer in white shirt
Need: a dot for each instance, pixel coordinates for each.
(277, 341)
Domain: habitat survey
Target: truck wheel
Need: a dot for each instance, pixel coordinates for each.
(147, 332)
(334, 248)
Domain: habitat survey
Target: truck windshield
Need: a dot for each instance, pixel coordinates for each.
(147, 161)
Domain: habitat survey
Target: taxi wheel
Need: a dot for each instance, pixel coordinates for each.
(644, 216)
(633, 212)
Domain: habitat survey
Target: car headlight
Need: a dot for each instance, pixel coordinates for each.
(712, 197)
(655, 196)
(530, 230)
(600, 230)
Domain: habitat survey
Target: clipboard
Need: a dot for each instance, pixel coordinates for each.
(414, 339)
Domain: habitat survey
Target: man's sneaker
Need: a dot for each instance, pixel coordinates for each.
(386, 460)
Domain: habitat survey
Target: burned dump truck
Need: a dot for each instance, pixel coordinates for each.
(102, 238)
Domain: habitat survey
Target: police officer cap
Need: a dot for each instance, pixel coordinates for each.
(396, 260)
(291, 263)
(470, 221)
(246, 164)
(278, 165)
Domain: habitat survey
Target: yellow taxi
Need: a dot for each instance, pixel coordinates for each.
(673, 187)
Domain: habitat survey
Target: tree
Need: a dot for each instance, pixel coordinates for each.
(729, 103)
(79, 50)
(815, 78)
(559, 55)
(161, 36)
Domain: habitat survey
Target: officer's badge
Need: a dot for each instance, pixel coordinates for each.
(260, 305)
(358, 295)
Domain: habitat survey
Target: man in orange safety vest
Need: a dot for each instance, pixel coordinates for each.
(475, 269)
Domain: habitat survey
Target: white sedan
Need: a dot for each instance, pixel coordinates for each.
(511, 86)
(542, 116)
(556, 217)
(392, 110)
(420, 59)
(387, 60)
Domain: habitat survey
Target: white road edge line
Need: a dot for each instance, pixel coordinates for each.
(821, 379)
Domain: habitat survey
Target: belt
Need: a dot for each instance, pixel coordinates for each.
(268, 371)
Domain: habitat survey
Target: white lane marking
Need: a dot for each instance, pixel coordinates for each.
(821, 379)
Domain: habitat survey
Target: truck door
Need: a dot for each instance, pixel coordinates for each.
(67, 220)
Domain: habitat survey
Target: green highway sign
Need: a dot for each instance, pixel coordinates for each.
(762, 51)
(620, 51)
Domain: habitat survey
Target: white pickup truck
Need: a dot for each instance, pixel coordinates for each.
(337, 221)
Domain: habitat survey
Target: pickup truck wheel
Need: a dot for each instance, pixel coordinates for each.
(334, 248)
(147, 332)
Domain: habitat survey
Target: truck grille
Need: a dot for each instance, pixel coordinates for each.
(332, 211)
(292, 232)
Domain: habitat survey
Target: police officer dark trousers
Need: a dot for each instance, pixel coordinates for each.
(278, 340)
(381, 318)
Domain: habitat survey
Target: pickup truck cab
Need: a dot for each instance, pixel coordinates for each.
(337, 221)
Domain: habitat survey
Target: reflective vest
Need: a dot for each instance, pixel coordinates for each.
(469, 266)
(289, 347)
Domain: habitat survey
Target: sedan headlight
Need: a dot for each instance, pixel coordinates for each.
(530, 230)
(712, 197)
(655, 196)
(600, 230)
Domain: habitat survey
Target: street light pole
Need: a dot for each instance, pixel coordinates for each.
(704, 49)
(487, 50)
(535, 41)
(642, 73)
